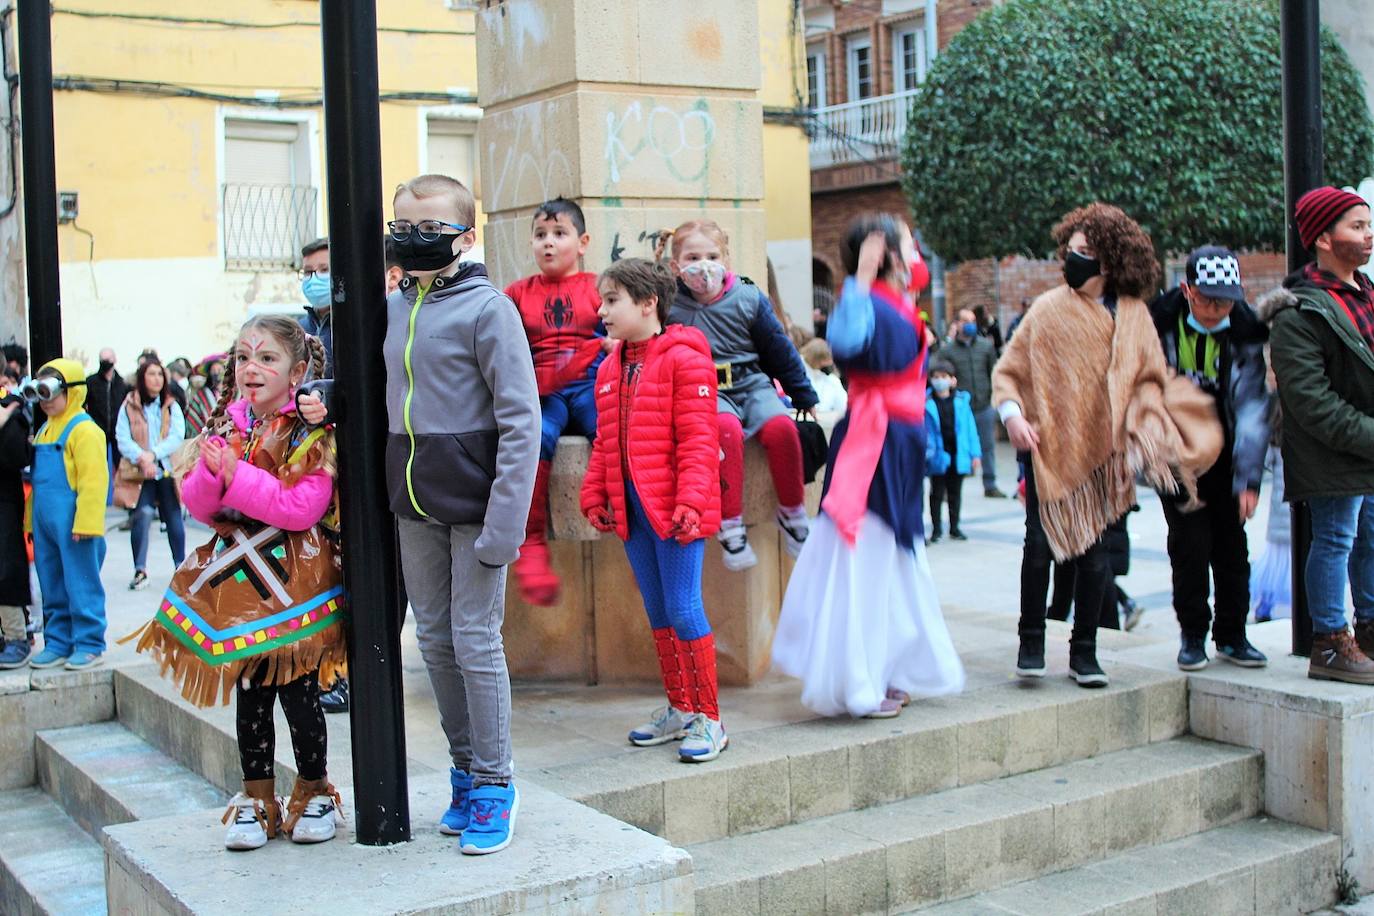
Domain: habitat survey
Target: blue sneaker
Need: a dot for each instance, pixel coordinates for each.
(48, 658)
(492, 825)
(15, 654)
(80, 661)
(455, 819)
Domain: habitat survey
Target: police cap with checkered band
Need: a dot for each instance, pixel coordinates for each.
(1215, 272)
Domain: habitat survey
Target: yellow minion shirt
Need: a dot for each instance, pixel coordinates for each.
(88, 474)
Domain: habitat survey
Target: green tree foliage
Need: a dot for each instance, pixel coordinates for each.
(1170, 109)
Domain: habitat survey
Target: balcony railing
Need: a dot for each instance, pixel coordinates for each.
(860, 131)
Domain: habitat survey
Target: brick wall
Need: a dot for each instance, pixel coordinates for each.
(832, 213)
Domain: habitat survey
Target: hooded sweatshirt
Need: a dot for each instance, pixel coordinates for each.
(84, 455)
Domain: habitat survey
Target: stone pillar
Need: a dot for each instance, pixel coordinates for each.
(646, 118)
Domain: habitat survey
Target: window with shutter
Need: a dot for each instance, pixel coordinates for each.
(451, 149)
(270, 204)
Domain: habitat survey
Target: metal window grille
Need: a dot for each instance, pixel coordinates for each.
(266, 225)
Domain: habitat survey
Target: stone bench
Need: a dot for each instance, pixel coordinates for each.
(598, 632)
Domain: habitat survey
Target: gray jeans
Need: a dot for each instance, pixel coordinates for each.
(459, 608)
(987, 438)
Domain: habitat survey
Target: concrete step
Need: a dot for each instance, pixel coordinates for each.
(976, 838)
(772, 777)
(104, 774)
(48, 864)
(32, 701)
(1261, 866)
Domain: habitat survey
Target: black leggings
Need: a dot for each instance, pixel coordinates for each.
(300, 700)
(946, 487)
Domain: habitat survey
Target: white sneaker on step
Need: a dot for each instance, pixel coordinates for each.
(735, 549)
(247, 820)
(317, 822)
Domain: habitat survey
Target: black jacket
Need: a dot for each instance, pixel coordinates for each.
(103, 399)
(1243, 401)
(15, 455)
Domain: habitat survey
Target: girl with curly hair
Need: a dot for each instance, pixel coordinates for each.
(1087, 399)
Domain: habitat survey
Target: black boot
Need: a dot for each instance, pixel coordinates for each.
(1030, 657)
(1083, 666)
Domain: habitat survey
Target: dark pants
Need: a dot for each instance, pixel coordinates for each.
(1212, 538)
(1065, 578)
(161, 495)
(947, 487)
(300, 700)
(1092, 576)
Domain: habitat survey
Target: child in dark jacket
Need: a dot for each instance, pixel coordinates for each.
(653, 481)
(951, 427)
(14, 560)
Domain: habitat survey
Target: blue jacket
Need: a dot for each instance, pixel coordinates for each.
(966, 444)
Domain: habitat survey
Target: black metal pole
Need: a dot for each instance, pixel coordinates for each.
(40, 181)
(1302, 171)
(354, 158)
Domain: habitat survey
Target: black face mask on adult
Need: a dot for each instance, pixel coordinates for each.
(1079, 270)
(416, 254)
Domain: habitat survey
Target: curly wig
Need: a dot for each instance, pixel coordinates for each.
(1124, 249)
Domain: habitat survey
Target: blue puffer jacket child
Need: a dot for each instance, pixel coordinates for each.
(966, 444)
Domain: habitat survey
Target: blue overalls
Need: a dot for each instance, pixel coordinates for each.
(68, 570)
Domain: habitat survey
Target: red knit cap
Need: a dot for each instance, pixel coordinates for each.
(1318, 210)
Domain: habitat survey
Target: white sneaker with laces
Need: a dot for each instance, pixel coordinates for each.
(705, 740)
(317, 822)
(795, 526)
(247, 820)
(734, 546)
(668, 724)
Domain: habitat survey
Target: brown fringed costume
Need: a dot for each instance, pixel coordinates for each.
(1106, 407)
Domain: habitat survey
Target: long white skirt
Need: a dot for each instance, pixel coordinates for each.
(855, 622)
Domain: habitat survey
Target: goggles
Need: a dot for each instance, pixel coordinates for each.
(44, 389)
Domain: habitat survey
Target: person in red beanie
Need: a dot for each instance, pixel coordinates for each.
(1321, 340)
(653, 480)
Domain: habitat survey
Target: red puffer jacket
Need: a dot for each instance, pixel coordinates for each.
(673, 440)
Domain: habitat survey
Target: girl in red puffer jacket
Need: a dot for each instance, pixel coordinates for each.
(653, 480)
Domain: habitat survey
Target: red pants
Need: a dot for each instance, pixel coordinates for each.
(783, 448)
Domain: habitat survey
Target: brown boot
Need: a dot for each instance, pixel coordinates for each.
(1364, 635)
(253, 816)
(312, 811)
(1337, 657)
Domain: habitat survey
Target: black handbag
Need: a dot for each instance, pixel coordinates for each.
(815, 447)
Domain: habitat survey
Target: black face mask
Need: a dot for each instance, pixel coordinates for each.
(105, 366)
(828, 370)
(415, 254)
(1079, 270)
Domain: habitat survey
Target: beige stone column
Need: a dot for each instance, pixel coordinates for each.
(647, 114)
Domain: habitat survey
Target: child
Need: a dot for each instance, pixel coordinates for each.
(951, 427)
(258, 608)
(70, 480)
(462, 455)
(14, 559)
(820, 369)
(750, 349)
(653, 481)
(861, 622)
(558, 306)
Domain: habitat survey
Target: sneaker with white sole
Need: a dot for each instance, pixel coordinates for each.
(318, 820)
(734, 547)
(795, 526)
(668, 724)
(493, 819)
(140, 581)
(48, 658)
(80, 661)
(705, 740)
(247, 820)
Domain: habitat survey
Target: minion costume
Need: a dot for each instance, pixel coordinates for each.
(70, 478)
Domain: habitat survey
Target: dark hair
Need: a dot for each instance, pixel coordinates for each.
(860, 229)
(16, 353)
(552, 209)
(641, 279)
(940, 364)
(1124, 249)
(389, 252)
(320, 244)
(141, 383)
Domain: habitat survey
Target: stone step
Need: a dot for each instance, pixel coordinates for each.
(976, 838)
(105, 774)
(775, 776)
(1262, 866)
(48, 864)
(32, 701)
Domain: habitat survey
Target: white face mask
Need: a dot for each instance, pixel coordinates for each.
(704, 278)
(941, 384)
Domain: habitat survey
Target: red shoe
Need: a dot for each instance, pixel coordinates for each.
(538, 583)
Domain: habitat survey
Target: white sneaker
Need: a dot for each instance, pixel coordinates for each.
(668, 724)
(317, 822)
(705, 740)
(734, 545)
(795, 526)
(247, 820)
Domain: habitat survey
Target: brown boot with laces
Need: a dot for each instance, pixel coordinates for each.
(1364, 635)
(1337, 657)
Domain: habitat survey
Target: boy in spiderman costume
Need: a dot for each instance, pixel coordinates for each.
(559, 308)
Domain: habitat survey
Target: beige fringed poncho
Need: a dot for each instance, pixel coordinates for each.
(1106, 407)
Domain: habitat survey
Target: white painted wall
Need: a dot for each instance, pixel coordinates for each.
(792, 265)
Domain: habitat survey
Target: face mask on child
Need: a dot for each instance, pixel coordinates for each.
(941, 385)
(315, 288)
(704, 278)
